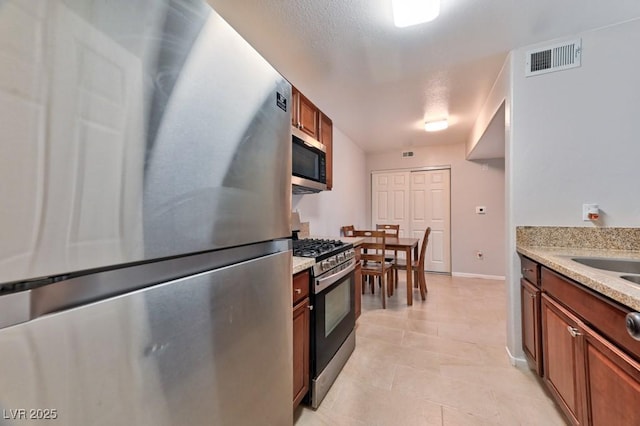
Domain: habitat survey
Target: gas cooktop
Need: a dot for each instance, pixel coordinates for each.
(318, 248)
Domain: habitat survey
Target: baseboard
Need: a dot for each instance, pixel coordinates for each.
(481, 276)
(516, 362)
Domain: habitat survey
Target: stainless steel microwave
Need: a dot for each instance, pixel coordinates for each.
(308, 165)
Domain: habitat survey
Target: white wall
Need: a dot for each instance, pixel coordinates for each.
(575, 138)
(497, 96)
(345, 204)
(471, 185)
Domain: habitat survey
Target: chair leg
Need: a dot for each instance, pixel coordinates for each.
(423, 286)
(382, 292)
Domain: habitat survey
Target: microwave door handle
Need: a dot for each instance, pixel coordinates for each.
(325, 282)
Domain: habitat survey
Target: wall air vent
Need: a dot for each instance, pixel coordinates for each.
(557, 57)
(407, 154)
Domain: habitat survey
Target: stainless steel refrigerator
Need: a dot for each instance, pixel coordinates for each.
(145, 274)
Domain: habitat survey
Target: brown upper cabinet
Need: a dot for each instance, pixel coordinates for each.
(305, 116)
(309, 119)
(326, 139)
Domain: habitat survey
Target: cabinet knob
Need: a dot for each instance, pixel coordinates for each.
(298, 290)
(633, 324)
(525, 270)
(573, 331)
(311, 307)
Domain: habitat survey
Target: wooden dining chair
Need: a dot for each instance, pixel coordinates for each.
(374, 264)
(392, 230)
(418, 266)
(347, 231)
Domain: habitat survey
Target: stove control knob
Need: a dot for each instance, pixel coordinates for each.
(325, 265)
(333, 262)
(341, 257)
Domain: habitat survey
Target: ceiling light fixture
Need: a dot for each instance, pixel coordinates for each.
(412, 12)
(434, 126)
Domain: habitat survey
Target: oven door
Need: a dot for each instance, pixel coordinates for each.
(334, 318)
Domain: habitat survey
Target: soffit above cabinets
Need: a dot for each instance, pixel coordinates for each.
(380, 83)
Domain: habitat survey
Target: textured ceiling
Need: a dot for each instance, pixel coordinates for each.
(379, 83)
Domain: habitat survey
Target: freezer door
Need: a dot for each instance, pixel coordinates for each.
(135, 133)
(211, 349)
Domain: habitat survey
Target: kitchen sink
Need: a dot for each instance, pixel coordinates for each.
(632, 278)
(627, 266)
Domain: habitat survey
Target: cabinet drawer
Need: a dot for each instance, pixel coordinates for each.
(530, 270)
(600, 313)
(300, 286)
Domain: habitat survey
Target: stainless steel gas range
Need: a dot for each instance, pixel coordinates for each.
(333, 316)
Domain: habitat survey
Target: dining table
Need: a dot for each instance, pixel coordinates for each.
(407, 245)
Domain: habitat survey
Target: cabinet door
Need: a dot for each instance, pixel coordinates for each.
(301, 330)
(530, 298)
(308, 116)
(295, 107)
(562, 342)
(326, 138)
(612, 383)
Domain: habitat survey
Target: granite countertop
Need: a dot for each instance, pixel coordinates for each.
(607, 283)
(302, 263)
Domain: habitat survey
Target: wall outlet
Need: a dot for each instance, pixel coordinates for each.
(479, 255)
(481, 210)
(590, 212)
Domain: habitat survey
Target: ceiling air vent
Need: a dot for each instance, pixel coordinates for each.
(556, 57)
(407, 154)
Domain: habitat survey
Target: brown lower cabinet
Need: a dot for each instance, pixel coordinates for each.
(301, 336)
(591, 366)
(563, 346)
(530, 299)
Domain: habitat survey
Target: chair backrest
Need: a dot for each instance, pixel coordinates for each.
(423, 248)
(372, 251)
(392, 230)
(347, 231)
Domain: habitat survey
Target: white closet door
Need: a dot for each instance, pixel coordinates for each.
(416, 200)
(390, 200)
(431, 207)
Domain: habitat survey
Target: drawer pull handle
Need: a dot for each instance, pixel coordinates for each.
(633, 324)
(298, 290)
(573, 331)
(525, 270)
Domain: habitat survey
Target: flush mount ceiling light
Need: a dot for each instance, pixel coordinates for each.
(412, 12)
(434, 126)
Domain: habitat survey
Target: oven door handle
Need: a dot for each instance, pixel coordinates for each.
(325, 282)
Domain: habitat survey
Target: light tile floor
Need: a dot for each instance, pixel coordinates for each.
(439, 362)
